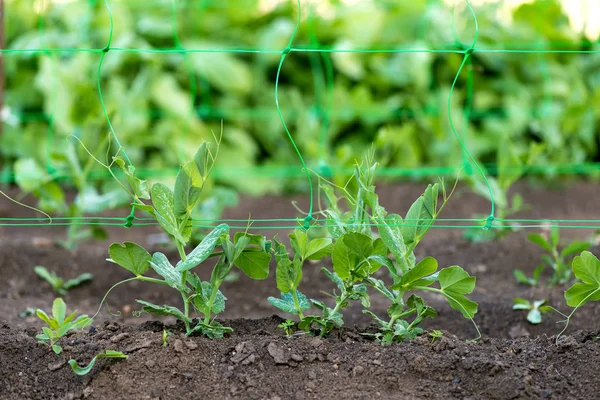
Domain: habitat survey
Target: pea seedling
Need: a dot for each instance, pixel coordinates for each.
(586, 268)
(172, 209)
(86, 370)
(435, 334)
(59, 324)
(555, 259)
(58, 284)
(288, 326)
(535, 309)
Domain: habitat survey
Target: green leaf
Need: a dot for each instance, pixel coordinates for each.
(41, 314)
(540, 241)
(203, 250)
(390, 231)
(85, 277)
(57, 349)
(163, 267)
(29, 175)
(213, 330)
(162, 199)
(454, 283)
(286, 303)
(554, 238)
(139, 186)
(350, 249)
(188, 186)
(520, 303)
(131, 256)
(586, 267)
(318, 248)
(425, 267)
(59, 310)
(574, 248)
(201, 159)
(534, 316)
(202, 299)
(420, 216)
(298, 241)
(163, 310)
(288, 274)
(255, 264)
(85, 370)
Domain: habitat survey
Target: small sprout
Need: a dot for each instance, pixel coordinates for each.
(85, 370)
(288, 326)
(28, 312)
(59, 285)
(165, 335)
(59, 324)
(435, 334)
(534, 316)
(555, 259)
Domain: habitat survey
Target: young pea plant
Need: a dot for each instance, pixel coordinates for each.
(357, 254)
(59, 324)
(86, 370)
(289, 272)
(58, 284)
(555, 259)
(511, 168)
(288, 326)
(172, 210)
(535, 309)
(435, 334)
(586, 268)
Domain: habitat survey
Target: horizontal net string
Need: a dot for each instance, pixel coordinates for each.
(288, 50)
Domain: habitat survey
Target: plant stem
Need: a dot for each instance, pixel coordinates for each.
(186, 302)
(213, 295)
(297, 304)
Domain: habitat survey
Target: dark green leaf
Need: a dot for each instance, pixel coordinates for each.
(163, 310)
(163, 267)
(203, 250)
(540, 241)
(188, 186)
(85, 370)
(255, 264)
(131, 256)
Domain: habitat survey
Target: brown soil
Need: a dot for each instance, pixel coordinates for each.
(514, 359)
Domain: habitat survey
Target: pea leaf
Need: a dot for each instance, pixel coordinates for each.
(131, 256)
(390, 231)
(350, 249)
(188, 186)
(288, 274)
(162, 199)
(255, 264)
(586, 268)
(318, 248)
(139, 186)
(203, 250)
(85, 370)
(420, 216)
(574, 248)
(163, 310)
(286, 303)
(455, 282)
(426, 267)
(163, 267)
(540, 241)
(85, 277)
(201, 159)
(202, 299)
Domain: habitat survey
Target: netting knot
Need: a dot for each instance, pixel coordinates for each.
(130, 218)
(306, 224)
(106, 49)
(286, 51)
(469, 51)
(488, 222)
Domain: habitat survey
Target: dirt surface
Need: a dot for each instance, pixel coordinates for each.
(513, 360)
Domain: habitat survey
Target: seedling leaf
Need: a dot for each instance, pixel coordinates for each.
(85, 370)
(203, 250)
(131, 256)
(162, 310)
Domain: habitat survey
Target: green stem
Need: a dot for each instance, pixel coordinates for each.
(186, 300)
(213, 296)
(297, 304)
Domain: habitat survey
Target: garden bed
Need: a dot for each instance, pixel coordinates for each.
(514, 359)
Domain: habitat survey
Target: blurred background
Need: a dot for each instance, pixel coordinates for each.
(360, 73)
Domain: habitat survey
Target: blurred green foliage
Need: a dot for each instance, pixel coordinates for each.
(162, 104)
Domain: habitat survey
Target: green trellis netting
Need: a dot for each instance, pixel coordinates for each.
(299, 87)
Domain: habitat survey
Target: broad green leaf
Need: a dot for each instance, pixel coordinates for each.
(457, 280)
(162, 199)
(43, 273)
(574, 248)
(163, 267)
(163, 310)
(249, 239)
(534, 316)
(59, 310)
(131, 256)
(188, 186)
(255, 264)
(521, 304)
(85, 370)
(454, 283)
(299, 242)
(203, 250)
(540, 241)
(586, 267)
(318, 248)
(57, 349)
(424, 268)
(349, 250)
(212, 330)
